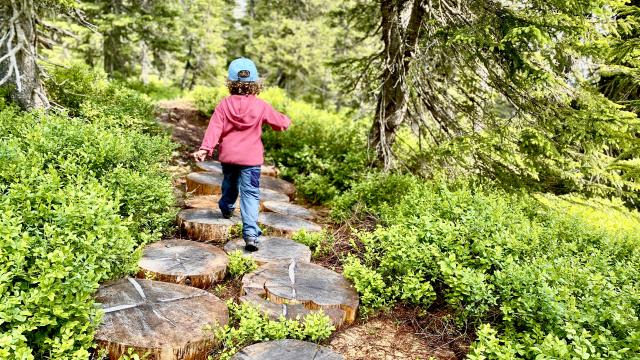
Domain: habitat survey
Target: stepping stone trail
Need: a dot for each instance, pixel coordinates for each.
(273, 249)
(286, 350)
(216, 168)
(162, 319)
(184, 262)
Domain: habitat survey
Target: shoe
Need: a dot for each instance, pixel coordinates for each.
(251, 244)
(227, 214)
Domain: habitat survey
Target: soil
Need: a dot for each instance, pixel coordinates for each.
(402, 333)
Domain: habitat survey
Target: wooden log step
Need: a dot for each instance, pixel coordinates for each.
(199, 183)
(164, 320)
(287, 350)
(279, 185)
(308, 284)
(215, 167)
(291, 311)
(287, 208)
(204, 183)
(284, 225)
(273, 249)
(211, 201)
(184, 262)
(206, 224)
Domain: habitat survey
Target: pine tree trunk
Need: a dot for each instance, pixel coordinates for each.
(18, 54)
(145, 63)
(399, 43)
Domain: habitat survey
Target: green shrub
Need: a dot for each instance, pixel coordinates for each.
(320, 242)
(556, 277)
(240, 264)
(248, 325)
(79, 197)
(207, 98)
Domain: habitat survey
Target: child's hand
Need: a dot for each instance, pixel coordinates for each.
(200, 155)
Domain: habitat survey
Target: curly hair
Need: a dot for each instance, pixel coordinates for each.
(244, 87)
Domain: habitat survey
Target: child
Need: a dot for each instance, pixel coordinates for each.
(236, 125)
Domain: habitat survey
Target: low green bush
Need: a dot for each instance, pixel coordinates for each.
(207, 98)
(248, 325)
(240, 264)
(548, 277)
(320, 242)
(79, 197)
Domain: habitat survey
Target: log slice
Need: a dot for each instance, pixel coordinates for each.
(199, 183)
(289, 209)
(300, 283)
(273, 249)
(163, 320)
(287, 350)
(184, 262)
(206, 224)
(285, 225)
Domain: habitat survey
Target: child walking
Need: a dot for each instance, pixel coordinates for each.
(236, 126)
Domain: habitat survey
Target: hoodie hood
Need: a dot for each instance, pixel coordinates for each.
(241, 111)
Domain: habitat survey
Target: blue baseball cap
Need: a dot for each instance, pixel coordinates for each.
(243, 69)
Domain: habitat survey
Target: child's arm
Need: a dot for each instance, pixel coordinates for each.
(214, 130)
(277, 121)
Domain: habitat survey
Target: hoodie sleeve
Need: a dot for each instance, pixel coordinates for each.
(276, 120)
(214, 130)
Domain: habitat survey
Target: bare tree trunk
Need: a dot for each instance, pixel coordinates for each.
(400, 41)
(18, 54)
(145, 63)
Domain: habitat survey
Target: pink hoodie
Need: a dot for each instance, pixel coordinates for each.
(237, 125)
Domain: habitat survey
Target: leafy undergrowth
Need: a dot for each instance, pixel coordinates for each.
(79, 196)
(542, 277)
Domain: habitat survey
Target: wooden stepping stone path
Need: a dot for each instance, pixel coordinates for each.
(284, 225)
(286, 350)
(298, 283)
(164, 320)
(289, 209)
(184, 262)
(206, 224)
(211, 201)
(273, 249)
(204, 184)
(216, 168)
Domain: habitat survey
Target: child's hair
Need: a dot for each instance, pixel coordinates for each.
(244, 87)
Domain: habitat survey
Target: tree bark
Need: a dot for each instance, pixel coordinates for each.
(399, 43)
(18, 54)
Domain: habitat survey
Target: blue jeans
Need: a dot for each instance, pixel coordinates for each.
(246, 181)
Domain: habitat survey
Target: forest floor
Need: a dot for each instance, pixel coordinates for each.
(397, 334)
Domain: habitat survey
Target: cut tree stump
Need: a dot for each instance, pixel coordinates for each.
(285, 225)
(216, 168)
(184, 262)
(164, 320)
(204, 183)
(211, 201)
(206, 225)
(279, 185)
(287, 350)
(300, 283)
(273, 249)
(286, 208)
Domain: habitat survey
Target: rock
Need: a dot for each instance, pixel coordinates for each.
(216, 168)
(286, 208)
(286, 225)
(286, 350)
(279, 185)
(204, 184)
(206, 225)
(307, 284)
(184, 262)
(273, 249)
(164, 320)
